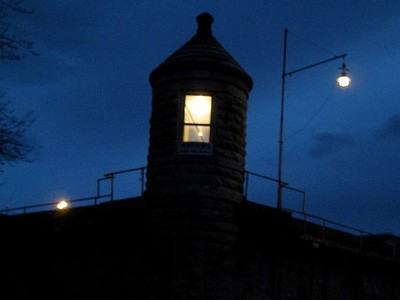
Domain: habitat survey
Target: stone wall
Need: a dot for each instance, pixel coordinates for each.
(204, 250)
(219, 173)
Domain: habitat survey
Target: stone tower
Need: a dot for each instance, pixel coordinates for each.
(198, 121)
(195, 168)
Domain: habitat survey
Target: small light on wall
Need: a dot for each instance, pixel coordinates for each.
(62, 204)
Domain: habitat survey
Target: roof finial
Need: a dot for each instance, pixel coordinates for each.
(204, 22)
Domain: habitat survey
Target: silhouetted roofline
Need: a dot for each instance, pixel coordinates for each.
(202, 51)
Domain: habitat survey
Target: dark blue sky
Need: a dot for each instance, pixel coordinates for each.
(90, 93)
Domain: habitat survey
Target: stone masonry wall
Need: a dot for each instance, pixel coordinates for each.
(113, 251)
(220, 173)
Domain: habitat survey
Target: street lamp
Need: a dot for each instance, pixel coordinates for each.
(343, 81)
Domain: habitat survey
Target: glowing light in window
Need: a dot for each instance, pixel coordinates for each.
(197, 119)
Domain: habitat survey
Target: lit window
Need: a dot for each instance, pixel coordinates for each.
(197, 120)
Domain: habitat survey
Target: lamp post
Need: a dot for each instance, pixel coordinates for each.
(343, 81)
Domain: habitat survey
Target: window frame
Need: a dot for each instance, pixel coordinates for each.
(208, 125)
(194, 147)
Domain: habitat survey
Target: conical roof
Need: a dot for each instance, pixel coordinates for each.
(202, 51)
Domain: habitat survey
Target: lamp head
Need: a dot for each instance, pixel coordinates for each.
(343, 80)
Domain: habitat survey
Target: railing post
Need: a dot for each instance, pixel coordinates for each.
(142, 179)
(246, 183)
(112, 186)
(98, 192)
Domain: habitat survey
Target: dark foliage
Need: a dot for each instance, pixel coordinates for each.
(14, 145)
(12, 47)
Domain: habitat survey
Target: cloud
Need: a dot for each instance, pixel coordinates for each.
(390, 129)
(325, 144)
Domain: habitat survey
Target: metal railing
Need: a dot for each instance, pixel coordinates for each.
(111, 178)
(285, 185)
(50, 205)
(315, 228)
(324, 231)
(110, 193)
(93, 200)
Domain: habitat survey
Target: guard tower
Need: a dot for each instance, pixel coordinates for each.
(198, 121)
(195, 168)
